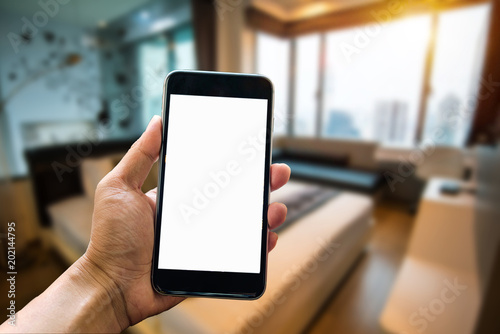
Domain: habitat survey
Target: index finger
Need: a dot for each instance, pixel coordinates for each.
(280, 174)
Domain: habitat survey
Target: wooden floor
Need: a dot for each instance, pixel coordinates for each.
(357, 304)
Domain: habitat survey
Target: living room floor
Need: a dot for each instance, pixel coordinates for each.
(355, 307)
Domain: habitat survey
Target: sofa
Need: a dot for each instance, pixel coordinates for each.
(344, 164)
(446, 278)
(313, 255)
(64, 179)
(324, 235)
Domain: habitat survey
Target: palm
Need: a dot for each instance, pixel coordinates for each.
(130, 247)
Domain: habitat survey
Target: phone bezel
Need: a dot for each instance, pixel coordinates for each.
(210, 283)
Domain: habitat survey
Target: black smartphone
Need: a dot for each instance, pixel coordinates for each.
(213, 187)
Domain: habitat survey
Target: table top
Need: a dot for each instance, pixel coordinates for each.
(464, 198)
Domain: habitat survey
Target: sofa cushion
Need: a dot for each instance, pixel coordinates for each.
(339, 160)
(311, 258)
(339, 177)
(361, 154)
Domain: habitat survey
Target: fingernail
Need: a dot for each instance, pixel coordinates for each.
(286, 208)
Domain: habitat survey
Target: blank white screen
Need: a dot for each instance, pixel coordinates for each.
(214, 184)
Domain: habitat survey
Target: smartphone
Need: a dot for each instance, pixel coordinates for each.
(213, 187)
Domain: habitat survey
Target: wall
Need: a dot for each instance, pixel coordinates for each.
(68, 95)
(120, 59)
(235, 47)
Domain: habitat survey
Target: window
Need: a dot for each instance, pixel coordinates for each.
(157, 57)
(153, 66)
(184, 49)
(273, 61)
(306, 85)
(374, 92)
(456, 74)
(368, 81)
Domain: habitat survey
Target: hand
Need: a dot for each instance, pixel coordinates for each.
(109, 287)
(121, 245)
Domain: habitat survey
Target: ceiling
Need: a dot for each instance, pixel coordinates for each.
(293, 10)
(88, 13)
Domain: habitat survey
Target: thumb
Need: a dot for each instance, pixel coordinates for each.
(136, 164)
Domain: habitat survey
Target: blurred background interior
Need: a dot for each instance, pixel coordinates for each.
(386, 111)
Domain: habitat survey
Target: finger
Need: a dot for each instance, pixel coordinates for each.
(276, 215)
(152, 194)
(280, 174)
(136, 164)
(152, 198)
(272, 240)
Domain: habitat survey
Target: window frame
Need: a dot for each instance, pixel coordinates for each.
(433, 11)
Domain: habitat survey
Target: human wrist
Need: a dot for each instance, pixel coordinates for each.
(103, 304)
(84, 299)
